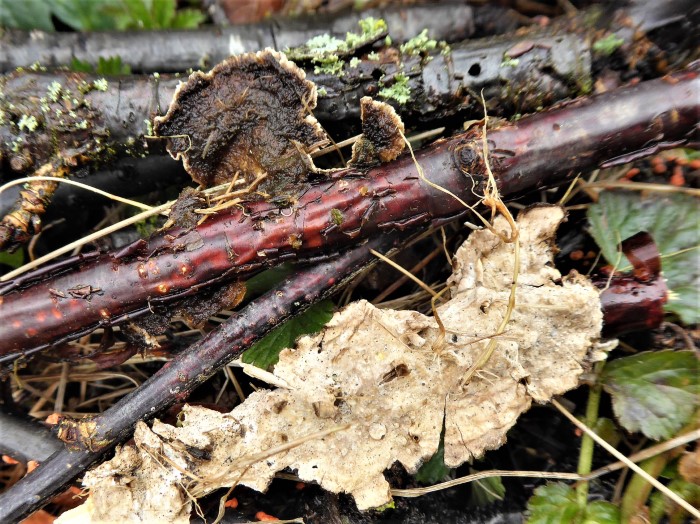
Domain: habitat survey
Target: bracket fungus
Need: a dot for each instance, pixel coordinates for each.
(376, 387)
(251, 115)
(382, 137)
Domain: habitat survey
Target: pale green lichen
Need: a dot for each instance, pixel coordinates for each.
(354, 61)
(329, 65)
(101, 84)
(322, 91)
(420, 43)
(373, 56)
(399, 91)
(324, 51)
(509, 62)
(28, 122)
(54, 91)
(608, 45)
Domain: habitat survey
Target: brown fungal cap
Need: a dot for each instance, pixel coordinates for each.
(382, 134)
(251, 114)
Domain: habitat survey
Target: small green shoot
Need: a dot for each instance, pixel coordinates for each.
(556, 503)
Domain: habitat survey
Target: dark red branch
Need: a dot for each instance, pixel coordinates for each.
(46, 308)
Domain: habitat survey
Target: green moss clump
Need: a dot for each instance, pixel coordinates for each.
(420, 43)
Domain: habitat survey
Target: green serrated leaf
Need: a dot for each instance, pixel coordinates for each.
(555, 503)
(601, 512)
(265, 352)
(26, 14)
(188, 19)
(673, 222)
(434, 470)
(654, 392)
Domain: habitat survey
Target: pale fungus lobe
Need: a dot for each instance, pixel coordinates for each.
(378, 386)
(382, 137)
(249, 116)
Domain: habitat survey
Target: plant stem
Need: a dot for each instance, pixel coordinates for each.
(585, 458)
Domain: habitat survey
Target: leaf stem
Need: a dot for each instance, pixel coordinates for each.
(585, 458)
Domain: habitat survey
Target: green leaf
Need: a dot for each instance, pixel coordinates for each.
(654, 392)
(112, 66)
(83, 15)
(486, 491)
(81, 66)
(434, 470)
(265, 352)
(26, 14)
(188, 19)
(555, 503)
(14, 260)
(673, 222)
(266, 280)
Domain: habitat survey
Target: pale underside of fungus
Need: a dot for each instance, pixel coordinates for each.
(376, 387)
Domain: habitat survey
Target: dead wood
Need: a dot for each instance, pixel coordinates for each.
(172, 51)
(94, 438)
(53, 123)
(59, 303)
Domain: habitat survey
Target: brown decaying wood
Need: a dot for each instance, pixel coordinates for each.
(38, 309)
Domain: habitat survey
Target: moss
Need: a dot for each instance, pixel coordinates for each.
(373, 56)
(509, 62)
(608, 45)
(325, 51)
(354, 61)
(329, 65)
(322, 91)
(399, 91)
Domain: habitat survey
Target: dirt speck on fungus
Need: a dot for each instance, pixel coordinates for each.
(552, 337)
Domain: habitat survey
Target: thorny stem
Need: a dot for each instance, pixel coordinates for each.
(585, 458)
